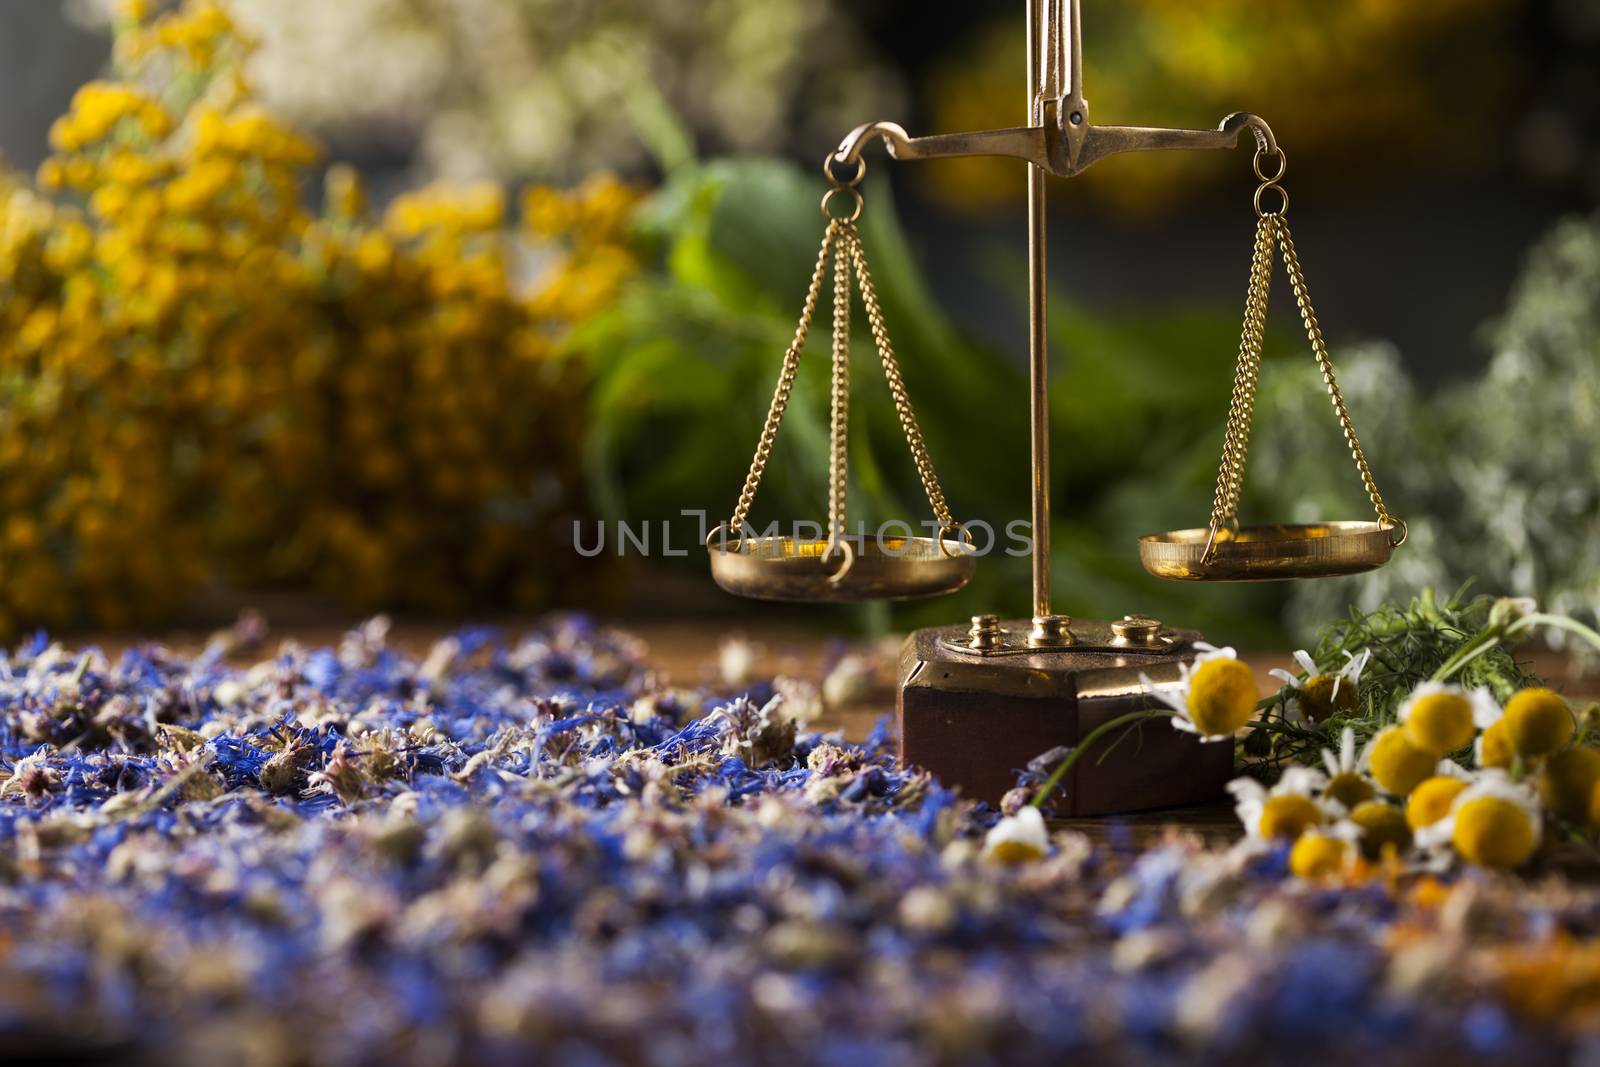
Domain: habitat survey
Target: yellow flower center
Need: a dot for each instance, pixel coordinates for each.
(1430, 801)
(1568, 780)
(1289, 815)
(1496, 750)
(1222, 696)
(1440, 722)
(1014, 852)
(1318, 701)
(1349, 789)
(1494, 832)
(1397, 764)
(1538, 722)
(1382, 825)
(1317, 856)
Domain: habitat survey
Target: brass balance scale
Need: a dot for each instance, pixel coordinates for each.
(977, 702)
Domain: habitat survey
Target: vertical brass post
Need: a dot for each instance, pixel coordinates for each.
(1038, 342)
(1045, 52)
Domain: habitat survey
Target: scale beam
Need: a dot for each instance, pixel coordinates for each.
(1048, 147)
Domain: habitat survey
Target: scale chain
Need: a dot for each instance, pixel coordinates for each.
(780, 395)
(1253, 373)
(1241, 409)
(1319, 348)
(842, 246)
(839, 428)
(897, 385)
(1272, 234)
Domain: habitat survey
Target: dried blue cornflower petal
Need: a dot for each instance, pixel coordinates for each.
(514, 851)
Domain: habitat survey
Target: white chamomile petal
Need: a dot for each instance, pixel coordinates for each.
(1354, 665)
(1249, 802)
(1307, 664)
(1486, 710)
(1242, 788)
(1435, 837)
(1175, 697)
(1332, 810)
(1185, 724)
(1345, 761)
(1305, 781)
(1448, 768)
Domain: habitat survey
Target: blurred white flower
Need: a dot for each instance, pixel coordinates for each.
(1018, 838)
(552, 90)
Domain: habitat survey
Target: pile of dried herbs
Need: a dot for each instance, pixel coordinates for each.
(532, 851)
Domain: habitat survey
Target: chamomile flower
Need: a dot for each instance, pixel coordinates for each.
(1396, 764)
(1493, 747)
(1567, 781)
(1324, 853)
(1382, 826)
(1320, 694)
(1215, 697)
(1444, 718)
(1537, 722)
(1492, 823)
(1432, 799)
(1346, 784)
(1018, 838)
(1285, 811)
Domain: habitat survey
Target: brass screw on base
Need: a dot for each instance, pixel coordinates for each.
(1051, 631)
(986, 633)
(1137, 630)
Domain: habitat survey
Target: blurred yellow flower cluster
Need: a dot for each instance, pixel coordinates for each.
(204, 380)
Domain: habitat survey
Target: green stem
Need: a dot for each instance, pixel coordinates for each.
(1083, 746)
(1468, 652)
(1560, 622)
(1491, 637)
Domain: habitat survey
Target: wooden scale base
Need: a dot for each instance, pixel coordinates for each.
(975, 718)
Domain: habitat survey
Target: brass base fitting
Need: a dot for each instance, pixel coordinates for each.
(1051, 631)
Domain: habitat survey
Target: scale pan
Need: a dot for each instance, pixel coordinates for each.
(1269, 553)
(880, 568)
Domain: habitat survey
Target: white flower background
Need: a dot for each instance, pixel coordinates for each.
(550, 89)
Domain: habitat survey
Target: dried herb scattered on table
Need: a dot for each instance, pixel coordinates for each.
(531, 852)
